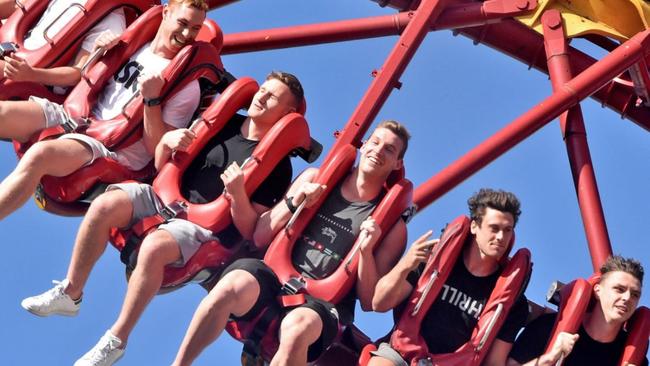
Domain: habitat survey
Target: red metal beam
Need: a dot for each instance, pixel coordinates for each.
(575, 138)
(570, 94)
(522, 43)
(388, 76)
(456, 16)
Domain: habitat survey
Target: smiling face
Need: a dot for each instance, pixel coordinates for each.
(181, 23)
(494, 233)
(380, 154)
(272, 101)
(618, 293)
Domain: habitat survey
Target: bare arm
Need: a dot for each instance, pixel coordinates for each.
(18, 69)
(174, 140)
(372, 266)
(561, 348)
(498, 353)
(393, 288)
(274, 219)
(154, 126)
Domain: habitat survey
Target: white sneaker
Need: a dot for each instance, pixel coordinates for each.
(52, 301)
(105, 352)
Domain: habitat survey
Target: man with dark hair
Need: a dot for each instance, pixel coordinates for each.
(601, 338)
(217, 167)
(447, 324)
(249, 285)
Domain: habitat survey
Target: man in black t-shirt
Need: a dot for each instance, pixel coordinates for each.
(601, 338)
(216, 168)
(248, 286)
(449, 322)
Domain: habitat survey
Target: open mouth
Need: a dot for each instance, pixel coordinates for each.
(179, 42)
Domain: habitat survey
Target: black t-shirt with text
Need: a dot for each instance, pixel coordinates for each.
(587, 351)
(453, 315)
(202, 182)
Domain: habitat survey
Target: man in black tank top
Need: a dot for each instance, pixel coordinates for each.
(249, 285)
(450, 320)
(601, 339)
(175, 241)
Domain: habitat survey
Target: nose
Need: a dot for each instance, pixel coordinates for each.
(500, 235)
(625, 296)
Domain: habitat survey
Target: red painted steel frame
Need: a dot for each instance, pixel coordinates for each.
(455, 16)
(388, 77)
(575, 137)
(568, 95)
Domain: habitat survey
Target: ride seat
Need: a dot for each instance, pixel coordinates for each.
(288, 135)
(62, 47)
(406, 337)
(199, 61)
(334, 287)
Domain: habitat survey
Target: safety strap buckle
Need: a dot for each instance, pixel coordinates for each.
(173, 209)
(293, 286)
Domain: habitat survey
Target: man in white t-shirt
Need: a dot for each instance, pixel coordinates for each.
(182, 20)
(55, 17)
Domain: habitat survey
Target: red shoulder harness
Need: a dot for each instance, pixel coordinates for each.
(198, 61)
(287, 135)
(576, 298)
(62, 47)
(406, 337)
(334, 287)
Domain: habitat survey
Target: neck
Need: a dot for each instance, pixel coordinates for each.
(477, 263)
(252, 131)
(599, 328)
(358, 187)
(158, 48)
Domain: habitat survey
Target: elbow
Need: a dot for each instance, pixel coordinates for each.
(259, 240)
(379, 305)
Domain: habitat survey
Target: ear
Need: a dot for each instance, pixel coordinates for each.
(399, 164)
(166, 10)
(597, 291)
(473, 227)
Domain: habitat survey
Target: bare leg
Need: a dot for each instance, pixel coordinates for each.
(111, 209)
(298, 330)
(54, 157)
(19, 120)
(157, 250)
(235, 293)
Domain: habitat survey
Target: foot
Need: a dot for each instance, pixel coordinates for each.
(105, 353)
(52, 301)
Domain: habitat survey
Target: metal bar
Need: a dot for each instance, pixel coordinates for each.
(456, 16)
(570, 94)
(522, 43)
(575, 138)
(388, 77)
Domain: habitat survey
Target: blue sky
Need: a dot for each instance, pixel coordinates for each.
(454, 95)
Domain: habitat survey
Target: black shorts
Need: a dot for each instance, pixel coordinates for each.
(270, 289)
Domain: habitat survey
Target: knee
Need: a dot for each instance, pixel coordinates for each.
(300, 328)
(158, 248)
(108, 206)
(38, 156)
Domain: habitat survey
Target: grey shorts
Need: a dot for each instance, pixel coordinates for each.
(55, 115)
(54, 112)
(188, 235)
(386, 351)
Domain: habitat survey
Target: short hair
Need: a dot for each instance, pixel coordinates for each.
(496, 199)
(292, 82)
(618, 263)
(199, 4)
(399, 130)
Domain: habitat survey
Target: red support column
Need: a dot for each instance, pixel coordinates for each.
(455, 16)
(572, 92)
(575, 137)
(388, 76)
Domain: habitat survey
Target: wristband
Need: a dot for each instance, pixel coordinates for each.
(289, 203)
(152, 102)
